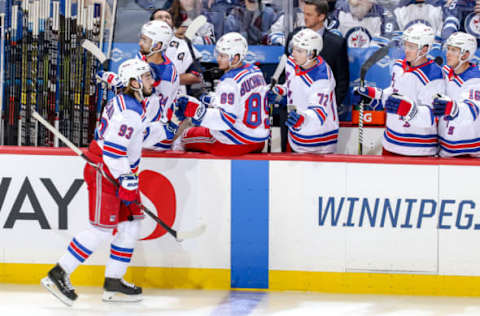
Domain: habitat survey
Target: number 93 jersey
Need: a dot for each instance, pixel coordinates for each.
(239, 112)
(120, 134)
(312, 92)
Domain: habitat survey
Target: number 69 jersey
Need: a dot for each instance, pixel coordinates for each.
(239, 115)
(312, 91)
(120, 134)
(461, 136)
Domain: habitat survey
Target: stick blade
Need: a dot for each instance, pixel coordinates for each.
(94, 50)
(196, 24)
(181, 236)
(373, 59)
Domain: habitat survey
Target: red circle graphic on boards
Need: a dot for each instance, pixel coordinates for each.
(158, 189)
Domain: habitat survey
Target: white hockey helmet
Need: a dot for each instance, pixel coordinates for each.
(466, 42)
(132, 69)
(419, 34)
(232, 44)
(159, 32)
(310, 41)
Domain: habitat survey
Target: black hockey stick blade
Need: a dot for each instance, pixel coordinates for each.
(372, 60)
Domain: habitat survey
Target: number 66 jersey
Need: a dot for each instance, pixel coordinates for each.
(312, 91)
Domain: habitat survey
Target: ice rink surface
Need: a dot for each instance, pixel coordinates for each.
(36, 301)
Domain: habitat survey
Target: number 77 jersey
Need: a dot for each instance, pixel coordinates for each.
(240, 111)
(312, 92)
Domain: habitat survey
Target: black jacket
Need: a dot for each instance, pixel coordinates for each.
(334, 52)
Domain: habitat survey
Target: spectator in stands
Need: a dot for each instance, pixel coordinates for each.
(216, 12)
(428, 12)
(185, 58)
(162, 15)
(362, 23)
(278, 32)
(334, 52)
(252, 20)
(462, 15)
(180, 11)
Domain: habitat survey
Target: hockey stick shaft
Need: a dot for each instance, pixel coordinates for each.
(372, 60)
(171, 231)
(273, 82)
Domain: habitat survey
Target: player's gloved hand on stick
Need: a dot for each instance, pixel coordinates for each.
(277, 95)
(191, 107)
(128, 189)
(445, 106)
(401, 105)
(295, 120)
(111, 78)
(370, 94)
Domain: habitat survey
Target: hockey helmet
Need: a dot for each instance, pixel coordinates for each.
(232, 44)
(466, 42)
(310, 41)
(159, 32)
(132, 69)
(419, 34)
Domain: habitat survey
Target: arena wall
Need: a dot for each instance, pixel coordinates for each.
(334, 223)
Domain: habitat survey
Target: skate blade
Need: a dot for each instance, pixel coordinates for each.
(120, 297)
(52, 288)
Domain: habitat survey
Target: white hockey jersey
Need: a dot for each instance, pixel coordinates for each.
(179, 53)
(430, 12)
(161, 105)
(312, 91)
(461, 136)
(239, 109)
(120, 134)
(418, 136)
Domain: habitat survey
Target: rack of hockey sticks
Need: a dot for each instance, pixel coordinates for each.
(45, 69)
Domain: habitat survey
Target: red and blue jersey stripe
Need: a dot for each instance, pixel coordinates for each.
(134, 166)
(320, 112)
(464, 146)
(410, 140)
(236, 136)
(113, 150)
(318, 140)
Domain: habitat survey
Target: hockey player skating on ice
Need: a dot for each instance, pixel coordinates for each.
(235, 121)
(410, 128)
(310, 87)
(117, 150)
(458, 109)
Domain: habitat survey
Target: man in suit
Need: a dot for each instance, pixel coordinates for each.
(334, 52)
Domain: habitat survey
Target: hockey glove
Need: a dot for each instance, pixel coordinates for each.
(445, 106)
(371, 95)
(191, 107)
(295, 120)
(401, 105)
(128, 189)
(111, 78)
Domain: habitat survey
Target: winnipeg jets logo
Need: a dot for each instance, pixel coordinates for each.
(472, 24)
(358, 37)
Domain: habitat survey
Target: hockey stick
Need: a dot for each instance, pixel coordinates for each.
(178, 235)
(372, 60)
(193, 28)
(273, 82)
